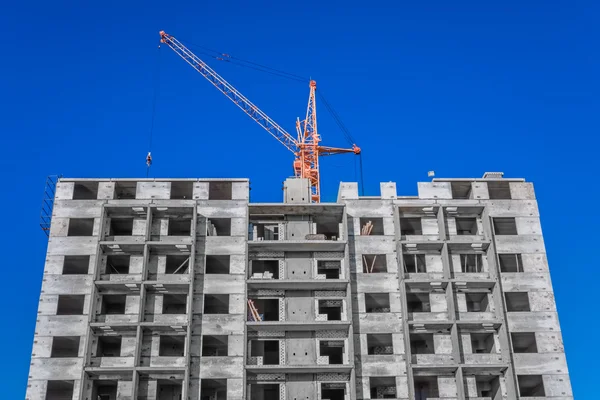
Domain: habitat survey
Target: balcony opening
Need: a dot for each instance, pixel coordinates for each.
(466, 226)
(218, 264)
(267, 349)
(487, 386)
(517, 301)
(76, 265)
(499, 190)
(374, 263)
(218, 227)
(524, 342)
(471, 263)
(333, 349)
(422, 343)
(117, 264)
(182, 190)
(264, 269)
(510, 262)
(125, 190)
(113, 304)
(418, 302)
(477, 302)
(85, 191)
(81, 227)
(377, 302)
(371, 226)
(266, 310)
(330, 269)
(104, 390)
(121, 227)
(216, 304)
(333, 391)
(213, 389)
(65, 346)
(174, 304)
(426, 387)
(329, 227)
(59, 390)
(332, 308)
(214, 346)
(505, 226)
(265, 391)
(180, 227)
(380, 344)
(531, 386)
(461, 190)
(171, 346)
(177, 264)
(414, 263)
(220, 190)
(109, 346)
(410, 226)
(169, 389)
(382, 387)
(483, 343)
(70, 304)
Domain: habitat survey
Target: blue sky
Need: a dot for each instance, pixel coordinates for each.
(458, 87)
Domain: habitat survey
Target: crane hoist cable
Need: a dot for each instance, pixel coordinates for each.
(305, 146)
(156, 84)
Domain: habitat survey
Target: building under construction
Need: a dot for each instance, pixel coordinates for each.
(181, 289)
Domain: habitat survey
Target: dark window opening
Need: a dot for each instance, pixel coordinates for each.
(477, 302)
(109, 346)
(331, 308)
(377, 302)
(499, 190)
(216, 304)
(524, 342)
(466, 226)
(220, 190)
(218, 264)
(382, 387)
(113, 304)
(331, 269)
(267, 391)
(117, 264)
(121, 227)
(182, 190)
(267, 349)
(180, 227)
(214, 346)
(414, 263)
(266, 309)
(81, 227)
(531, 386)
(85, 191)
(125, 190)
(213, 389)
(218, 227)
(334, 349)
(461, 190)
(517, 301)
(59, 390)
(374, 263)
(371, 226)
(171, 346)
(510, 262)
(177, 264)
(471, 263)
(65, 346)
(174, 304)
(505, 226)
(422, 343)
(76, 265)
(380, 344)
(482, 343)
(418, 302)
(328, 227)
(426, 387)
(410, 226)
(487, 386)
(70, 304)
(331, 391)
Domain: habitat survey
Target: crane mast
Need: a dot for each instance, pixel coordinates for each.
(305, 145)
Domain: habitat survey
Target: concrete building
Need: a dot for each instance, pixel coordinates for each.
(183, 289)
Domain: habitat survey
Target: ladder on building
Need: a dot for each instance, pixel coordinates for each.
(48, 203)
(253, 311)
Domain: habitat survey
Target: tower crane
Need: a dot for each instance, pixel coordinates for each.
(305, 145)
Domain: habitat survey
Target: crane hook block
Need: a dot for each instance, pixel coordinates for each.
(149, 159)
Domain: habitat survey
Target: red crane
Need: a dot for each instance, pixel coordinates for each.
(305, 145)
